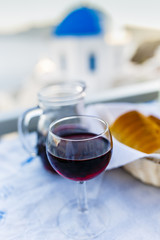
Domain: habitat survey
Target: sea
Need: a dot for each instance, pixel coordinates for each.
(19, 53)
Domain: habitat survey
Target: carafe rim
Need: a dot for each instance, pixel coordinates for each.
(64, 92)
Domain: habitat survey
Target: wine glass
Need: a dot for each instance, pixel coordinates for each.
(80, 148)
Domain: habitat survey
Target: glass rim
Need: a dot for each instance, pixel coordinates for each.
(70, 84)
(106, 129)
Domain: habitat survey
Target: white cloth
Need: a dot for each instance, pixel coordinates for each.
(123, 154)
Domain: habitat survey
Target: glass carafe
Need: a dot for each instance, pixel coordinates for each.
(55, 101)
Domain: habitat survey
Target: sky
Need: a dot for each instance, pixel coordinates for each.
(17, 14)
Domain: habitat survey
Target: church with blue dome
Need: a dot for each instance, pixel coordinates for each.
(79, 48)
(83, 21)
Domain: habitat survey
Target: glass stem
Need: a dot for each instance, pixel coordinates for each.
(82, 197)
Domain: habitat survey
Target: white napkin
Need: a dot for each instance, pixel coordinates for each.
(123, 154)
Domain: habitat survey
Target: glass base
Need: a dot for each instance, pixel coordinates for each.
(83, 225)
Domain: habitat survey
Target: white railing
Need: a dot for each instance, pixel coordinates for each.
(140, 92)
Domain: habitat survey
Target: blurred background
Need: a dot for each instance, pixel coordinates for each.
(106, 43)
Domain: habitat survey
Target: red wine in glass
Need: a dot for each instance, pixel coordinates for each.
(80, 148)
(80, 163)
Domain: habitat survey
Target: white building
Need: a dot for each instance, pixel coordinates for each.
(79, 48)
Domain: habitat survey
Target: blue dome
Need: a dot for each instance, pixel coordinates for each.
(83, 21)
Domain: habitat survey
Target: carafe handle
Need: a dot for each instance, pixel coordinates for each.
(23, 128)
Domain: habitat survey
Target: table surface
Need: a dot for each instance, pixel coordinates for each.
(31, 197)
